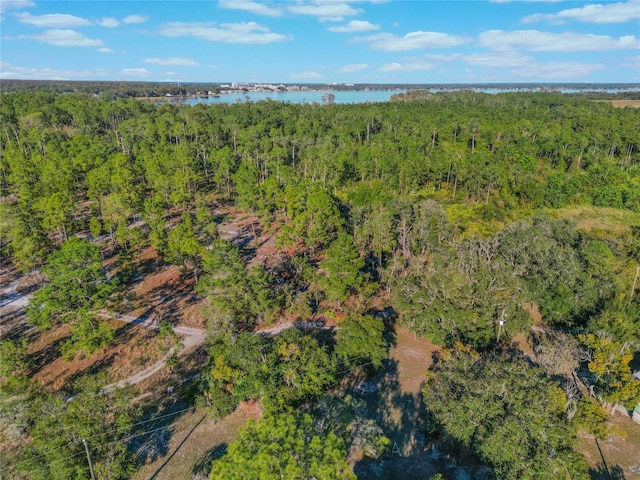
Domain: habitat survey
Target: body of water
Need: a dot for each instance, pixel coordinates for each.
(300, 96)
(375, 95)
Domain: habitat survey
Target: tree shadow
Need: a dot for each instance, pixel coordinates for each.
(15, 326)
(152, 442)
(38, 360)
(401, 413)
(401, 416)
(168, 459)
(602, 472)
(202, 468)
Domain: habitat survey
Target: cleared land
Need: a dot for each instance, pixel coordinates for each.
(623, 103)
(618, 456)
(588, 217)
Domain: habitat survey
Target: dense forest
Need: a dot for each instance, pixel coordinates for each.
(449, 214)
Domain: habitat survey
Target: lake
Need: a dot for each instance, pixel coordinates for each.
(300, 96)
(384, 95)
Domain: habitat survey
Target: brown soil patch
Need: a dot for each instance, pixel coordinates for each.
(169, 295)
(620, 452)
(521, 342)
(533, 310)
(193, 315)
(414, 356)
(165, 279)
(196, 439)
(134, 348)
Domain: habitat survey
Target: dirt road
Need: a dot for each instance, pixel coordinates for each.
(191, 338)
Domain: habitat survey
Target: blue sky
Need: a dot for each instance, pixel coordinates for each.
(321, 41)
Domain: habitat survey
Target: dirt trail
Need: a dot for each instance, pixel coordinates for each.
(11, 299)
(191, 338)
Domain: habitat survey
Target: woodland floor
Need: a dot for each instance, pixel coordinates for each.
(193, 439)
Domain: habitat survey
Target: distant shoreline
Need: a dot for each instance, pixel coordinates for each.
(179, 92)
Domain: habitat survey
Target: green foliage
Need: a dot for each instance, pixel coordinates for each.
(610, 367)
(361, 339)
(284, 446)
(547, 255)
(74, 280)
(103, 419)
(620, 319)
(236, 371)
(27, 239)
(344, 269)
(283, 372)
(376, 231)
(168, 337)
(313, 215)
(460, 298)
(350, 418)
(13, 360)
(87, 335)
(95, 227)
(75, 286)
(430, 187)
(592, 418)
(301, 370)
(183, 247)
(235, 293)
(506, 412)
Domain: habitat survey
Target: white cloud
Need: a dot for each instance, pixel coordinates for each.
(53, 20)
(620, 12)
(355, 26)
(15, 4)
(244, 32)
(325, 10)
(498, 59)
(631, 62)
(538, 41)
(109, 22)
(409, 66)
(27, 73)
(354, 67)
(526, 67)
(249, 6)
(135, 72)
(307, 75)
(134, 19)
(105, 50)
(387, 42)
(437, 57)
(64, 38)
(556, 70)
(181, 61)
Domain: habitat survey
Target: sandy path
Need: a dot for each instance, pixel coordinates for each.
(12, 300)
(191, 338)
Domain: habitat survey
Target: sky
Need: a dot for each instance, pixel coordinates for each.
(321, 41)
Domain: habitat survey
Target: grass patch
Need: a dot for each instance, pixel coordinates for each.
(622, 103)
(588, 217)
